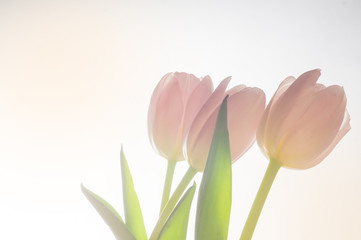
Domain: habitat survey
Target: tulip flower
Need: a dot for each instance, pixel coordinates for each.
(303, 122)
(175, 102)
(245, 109)
(300, 126)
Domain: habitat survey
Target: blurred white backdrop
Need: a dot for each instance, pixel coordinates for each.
(75, 83)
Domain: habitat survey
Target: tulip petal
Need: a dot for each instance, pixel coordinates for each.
(235, 89)
(263, 125)
(290, 106)
(245, 109)
(177, 223)
(109, 215)
(282, 88)
(133, 214)
(215, 193)
(187, 84)
(153, 101)
(319, 87)
(315, 130)
(196, 101)
(200, 149)
(345, 127)
(204, 114)
(167, 120)
(190, 87)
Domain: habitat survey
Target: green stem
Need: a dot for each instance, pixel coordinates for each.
(167, 183)
(260, 199)
(167, 210)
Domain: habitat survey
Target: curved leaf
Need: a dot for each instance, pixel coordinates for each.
(215, 192)
(109, 215)
(133, 214)
(177, 223)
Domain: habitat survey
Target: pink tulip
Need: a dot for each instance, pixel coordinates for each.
(303, 121)
(245, 109)
(175, 102)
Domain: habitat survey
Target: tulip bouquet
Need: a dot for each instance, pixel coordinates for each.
(187, 120)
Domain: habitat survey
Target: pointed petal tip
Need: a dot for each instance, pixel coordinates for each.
(228, 78)
(225, 82)
(316, 72)
(311, 76)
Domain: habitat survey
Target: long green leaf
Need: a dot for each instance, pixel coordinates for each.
(133, 214)
(177, 223)
(215, 192)
(109, 215)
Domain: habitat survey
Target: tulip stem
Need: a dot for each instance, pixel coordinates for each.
(167, 183)
(168, 208)
(260, 199)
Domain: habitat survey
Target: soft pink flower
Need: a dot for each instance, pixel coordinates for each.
(245, 108)
(303, 121)
(175, 102)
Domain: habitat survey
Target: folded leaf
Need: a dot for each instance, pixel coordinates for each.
(133, 214)
(109, 215)
(215, 192)
(177, 223)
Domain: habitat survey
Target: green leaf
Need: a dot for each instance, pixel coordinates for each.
(215, 192)
(133, 214)
(177, 223)
(109, 215)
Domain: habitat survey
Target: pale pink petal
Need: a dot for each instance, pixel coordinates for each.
(153, 102)
(264, 120)
(290, 106)
(197, 158)
(319, 87)
(235, 89)
(285, 84)
(167, 119)
(204, 114)
(345, 127)
(245, 109)
(315, 130)
(196, 100)
(187, 83)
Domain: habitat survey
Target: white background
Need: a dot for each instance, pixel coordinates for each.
(75, 83)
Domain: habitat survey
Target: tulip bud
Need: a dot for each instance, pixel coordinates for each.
(303, 121)
(174, 104)
(245, 109)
